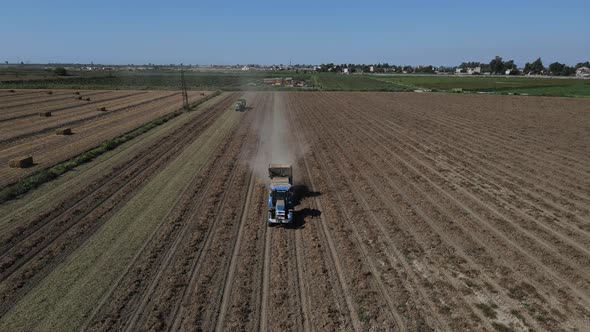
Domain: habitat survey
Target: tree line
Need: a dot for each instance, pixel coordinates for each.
(496, 66)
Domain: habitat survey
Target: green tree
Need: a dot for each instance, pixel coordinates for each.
(409, 69)
(568, 71)
(497, 65)
(425, 69)
(60, 71)
(509, 65)
(537, 67)
(471, 64)
(534, 68)
(556, 68)
(527, 68)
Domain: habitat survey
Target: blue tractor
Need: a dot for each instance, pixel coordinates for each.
(280, 194)
(240, 105)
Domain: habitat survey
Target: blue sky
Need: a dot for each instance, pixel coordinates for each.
(312, 32)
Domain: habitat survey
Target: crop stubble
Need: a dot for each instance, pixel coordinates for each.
(416, 212)
(127, 110)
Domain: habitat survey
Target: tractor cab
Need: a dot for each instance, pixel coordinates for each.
(280, 199)
(240, 105)
(280, 195)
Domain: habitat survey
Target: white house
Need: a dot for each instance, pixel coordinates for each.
(476, 70)
(345, 71)
(371, 69)
(583, 72)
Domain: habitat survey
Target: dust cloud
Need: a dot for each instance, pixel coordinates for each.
(277, 142)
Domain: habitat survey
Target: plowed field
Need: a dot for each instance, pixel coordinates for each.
(415, 212)
(24, 132)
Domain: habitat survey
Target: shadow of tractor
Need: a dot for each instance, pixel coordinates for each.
(300, 217)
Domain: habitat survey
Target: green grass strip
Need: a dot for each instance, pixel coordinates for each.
(37, 179)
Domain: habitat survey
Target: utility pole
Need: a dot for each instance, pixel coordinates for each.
(185, 104)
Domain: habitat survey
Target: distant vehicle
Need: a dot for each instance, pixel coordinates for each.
(280, 195)
(240, 105)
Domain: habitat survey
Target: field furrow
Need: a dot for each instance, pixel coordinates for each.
(411, 212)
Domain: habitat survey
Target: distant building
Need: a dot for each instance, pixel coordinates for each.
(245, 68)
(468, 71)
(476, 70)
(583, 72)
(345, 71)
(371, 69)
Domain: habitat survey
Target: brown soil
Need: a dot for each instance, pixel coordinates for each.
(416, 212)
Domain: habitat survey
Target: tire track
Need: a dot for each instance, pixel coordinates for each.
(61, 95)
(565, 243)
(70, 123)
(576, 213)
(162, 310)
(303, 295)
(232, 265)
(456, 124)
(53, 149)
(421, 116)
(265, 282)
(480, 205)
(40, 250)
(403, 176)
(19, 114)
(418, 115)
(330, 244)
(201, 316)
(396, 316)
(341, 277)
(21, 234)
(147, 295)
(394, 167)
(450, 113)
(156, 252)
(448, 295)
(17, 93)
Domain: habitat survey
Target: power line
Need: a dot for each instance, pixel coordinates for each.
(185, 104)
